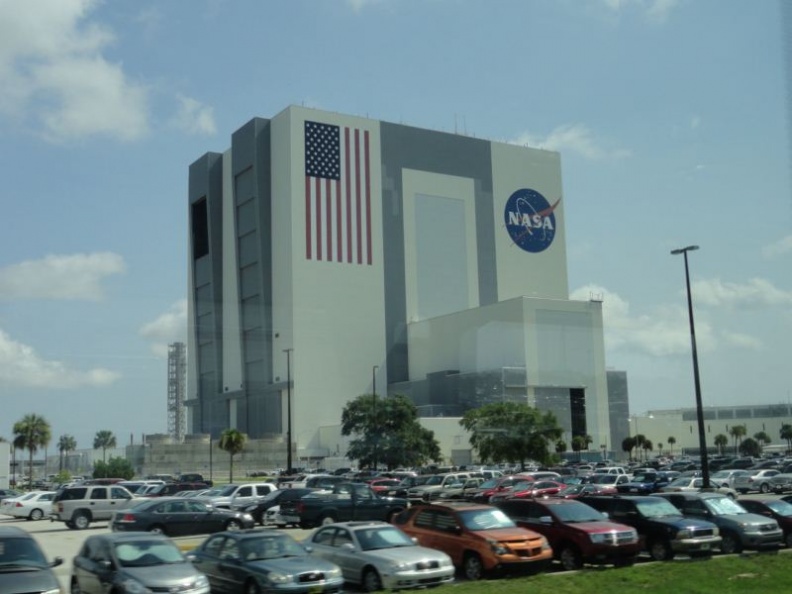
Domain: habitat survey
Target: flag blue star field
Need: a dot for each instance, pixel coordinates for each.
(337, 194)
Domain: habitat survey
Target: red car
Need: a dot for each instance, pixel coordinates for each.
(382, 485)
(495, 486)
(576, 532)
(533, 489)
(575, 491)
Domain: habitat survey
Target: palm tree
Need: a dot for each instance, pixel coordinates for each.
(104, 439)
(721, 441)
(628, 445)
(786, 434)
(32, 432)
(233, 442)
(671, 441)
(737, 432)
(640, 441)
(66, 444)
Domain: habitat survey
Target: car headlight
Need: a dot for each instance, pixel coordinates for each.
(398, 565)
(545, 544)
(601, 538)
(446, 562)
(333, 573)
(134, 587)
(497, 548)
(202, 582)
(247, 517)
(277, 577)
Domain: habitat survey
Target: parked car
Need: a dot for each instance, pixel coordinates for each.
(577, 532)
(238, 496)
(170, 489)
(575, 491)
(9, 493)
(493, 486)
(378, 555)
(756, 480)
(32, 506)
(459, 490)
(25, 569)
(405, 485)
(739, 529)
(259, 509)
(532, 489)
(779, 510)
(80, 505)
(382, 485)
(781, 483)
(647, 482)
(611, 480)
(725, 477)
(694, 484)
(480, 539)
(178, 516)
(134, 563)
(255, 561)
(662, 528)
(437, 482)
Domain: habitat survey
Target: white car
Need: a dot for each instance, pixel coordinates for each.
(694, 484)
(31, 506)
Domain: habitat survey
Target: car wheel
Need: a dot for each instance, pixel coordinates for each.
(233, 525)
(36, 514)
(788, 540)
(764, 488)
(157, 529)
(70, 525)
(660, 550)
(730, 543)
(472, 567)
(326, 520)
(81, 520)
(371, 581)
(75, 587)
(570, 558)
(252, 587)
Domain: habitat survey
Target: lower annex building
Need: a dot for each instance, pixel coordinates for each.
(334, 255)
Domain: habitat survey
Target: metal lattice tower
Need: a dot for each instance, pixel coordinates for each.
(177, 387)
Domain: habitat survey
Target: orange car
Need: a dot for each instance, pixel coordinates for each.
(479, 538)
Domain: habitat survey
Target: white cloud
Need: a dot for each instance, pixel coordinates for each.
(167, 328)
(655, 11)
(779, 248)
(52, 68)
(757, 292)
(576, 138)
(77, 276)
(21, 366)
(193, 117)
(742, 340)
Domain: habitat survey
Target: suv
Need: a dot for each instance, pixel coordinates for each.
(662, 528)
(478, 538)
(238, 496)
(436, 482)
(577, 532)
(739, 528)
(79, 506)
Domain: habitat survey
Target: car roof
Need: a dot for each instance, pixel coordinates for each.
(455, 505)
(13, 532)
(355, 524)
(114, 537)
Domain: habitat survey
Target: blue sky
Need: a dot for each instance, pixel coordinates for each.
(671, 117)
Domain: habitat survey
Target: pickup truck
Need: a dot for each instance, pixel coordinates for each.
(346, 502)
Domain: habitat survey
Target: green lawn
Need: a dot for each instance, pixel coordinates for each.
(761, 573)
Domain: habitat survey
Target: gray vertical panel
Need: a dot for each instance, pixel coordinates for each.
(206, 181)
(435, 152)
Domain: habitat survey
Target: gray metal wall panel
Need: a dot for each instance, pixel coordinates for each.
(436, 152)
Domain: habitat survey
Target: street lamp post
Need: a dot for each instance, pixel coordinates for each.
(288, 412)
(699, 408)
(374, 410)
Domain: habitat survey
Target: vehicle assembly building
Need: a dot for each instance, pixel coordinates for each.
(334, 255)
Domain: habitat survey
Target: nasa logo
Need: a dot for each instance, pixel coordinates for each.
(530, 220)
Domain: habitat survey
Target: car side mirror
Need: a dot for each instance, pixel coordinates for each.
(605, 515)
(56, 561)
(546, 520)
(348, 547)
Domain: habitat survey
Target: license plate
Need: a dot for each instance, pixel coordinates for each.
(633, 490)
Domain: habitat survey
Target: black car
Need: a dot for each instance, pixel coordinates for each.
(259, 508)
(662, 528)
(255, 561)
(178, 516)
(134, 563)
(23, 567)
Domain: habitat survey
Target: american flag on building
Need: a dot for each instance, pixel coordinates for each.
(337, 194)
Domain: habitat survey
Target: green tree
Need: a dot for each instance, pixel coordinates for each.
(580, 443)
(232, 441)
(648, 446)
(560, 446)
(104, 439)
(628, 445)
(640, 441)
(671, 442)
(737, 432)
(763, 438)
(66, 444)
(32, 433)
(116, 467)
(386, 430)
(511, 432)
(786, 435)
(750, 447)
(721, 441)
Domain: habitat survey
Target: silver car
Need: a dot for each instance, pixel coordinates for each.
(378, 555)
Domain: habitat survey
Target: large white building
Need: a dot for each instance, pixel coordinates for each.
(334, 255)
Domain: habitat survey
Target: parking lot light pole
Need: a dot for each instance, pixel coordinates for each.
(699, 408)
(374, 409)
(288, 412)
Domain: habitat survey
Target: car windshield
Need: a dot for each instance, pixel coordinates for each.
(724, 505)
(603, 479)
(782, 508)
(578, 512)
(486, 519)
(655, 507)
(386, 537)
(490, 484)
(145, 553)
(434, 480)
(270, 546)
(680, 482)
(644, 478)
(20, 552)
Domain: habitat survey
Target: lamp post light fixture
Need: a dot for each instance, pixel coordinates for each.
(699, 408)
(288, 412)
